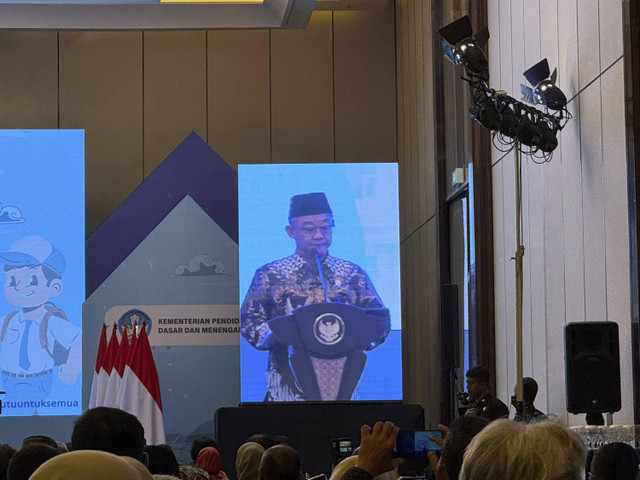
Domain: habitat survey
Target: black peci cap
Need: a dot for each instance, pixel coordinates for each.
(308, 204)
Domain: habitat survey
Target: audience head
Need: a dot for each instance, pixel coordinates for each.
(109, 430)
(477, 382)
(267, 441)
(199, 443)
(40, 439)
(615, 461)
(248, 461)
(280, 462)
(463, 429)
(162, 460)
(210, 461)
(6, 452)
(28, 459)
(505, 449)
(279, 439)
(341, 468)
(529, 389)
(91, 465)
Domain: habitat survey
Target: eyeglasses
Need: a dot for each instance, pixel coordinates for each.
(323, 229)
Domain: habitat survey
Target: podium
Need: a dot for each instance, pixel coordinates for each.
(328, 341)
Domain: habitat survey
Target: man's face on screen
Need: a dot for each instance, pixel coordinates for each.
(312, 234)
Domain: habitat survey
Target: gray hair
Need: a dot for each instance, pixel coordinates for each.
(517, 451)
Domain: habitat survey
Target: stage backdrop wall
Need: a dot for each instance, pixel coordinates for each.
(183, 277)
(576, 264)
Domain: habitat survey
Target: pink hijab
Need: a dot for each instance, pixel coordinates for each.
(210, 461)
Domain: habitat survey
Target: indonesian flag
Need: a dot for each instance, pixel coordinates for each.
(115, 379)
(102, 351)
(134, 339)
(140, 392)
(108, 361)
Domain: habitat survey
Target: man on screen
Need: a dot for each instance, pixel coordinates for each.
(295, 281)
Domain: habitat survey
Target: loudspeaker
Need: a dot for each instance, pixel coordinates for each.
(450, 325)
(592, 367)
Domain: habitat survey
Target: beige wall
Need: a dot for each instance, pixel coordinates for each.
(419, 224)
(574, 209)
(324, 94)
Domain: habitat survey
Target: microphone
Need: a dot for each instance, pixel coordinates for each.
(324, 283)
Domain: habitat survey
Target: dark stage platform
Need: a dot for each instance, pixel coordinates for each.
(309, 426)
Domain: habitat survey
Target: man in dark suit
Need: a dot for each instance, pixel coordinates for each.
(484, 404)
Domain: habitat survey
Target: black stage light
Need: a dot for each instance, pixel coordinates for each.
(483, 110)
(463, 49)
(509, 123)
(548, 141)
(529, 133)
(544, 89)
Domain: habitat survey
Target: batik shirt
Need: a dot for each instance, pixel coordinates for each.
(280, 287)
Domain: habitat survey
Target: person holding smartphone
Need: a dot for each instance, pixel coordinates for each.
(376, 452)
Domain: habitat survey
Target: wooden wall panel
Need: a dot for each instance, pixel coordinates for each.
(404, 135)
(493, 11)
(591, 160)
(517, 47)
(419, 240)
(409, 108)
(532, 34)
(101, 91)
(509, 196)
(569, 145)
(427, 168)
(239, 95)
(29, 79)
(503, 49)
(554, 274)
(500, 262)
(593, 202)
(588, 41)
(548, 31)
(609, 15)
(175, 101)
(535, 356)
(401, 79)
(415, 90)
(302, 93)
(431, 291)
(364, 79)
(545, 337)
(616, 219)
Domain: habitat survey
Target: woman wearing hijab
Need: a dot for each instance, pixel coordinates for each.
(210, 461)
(248, 461)
(91, 465)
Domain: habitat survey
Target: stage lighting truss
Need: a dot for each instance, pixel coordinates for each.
(513, 123)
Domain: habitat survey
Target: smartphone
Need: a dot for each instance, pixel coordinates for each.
(416, 443)
(341, 449)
